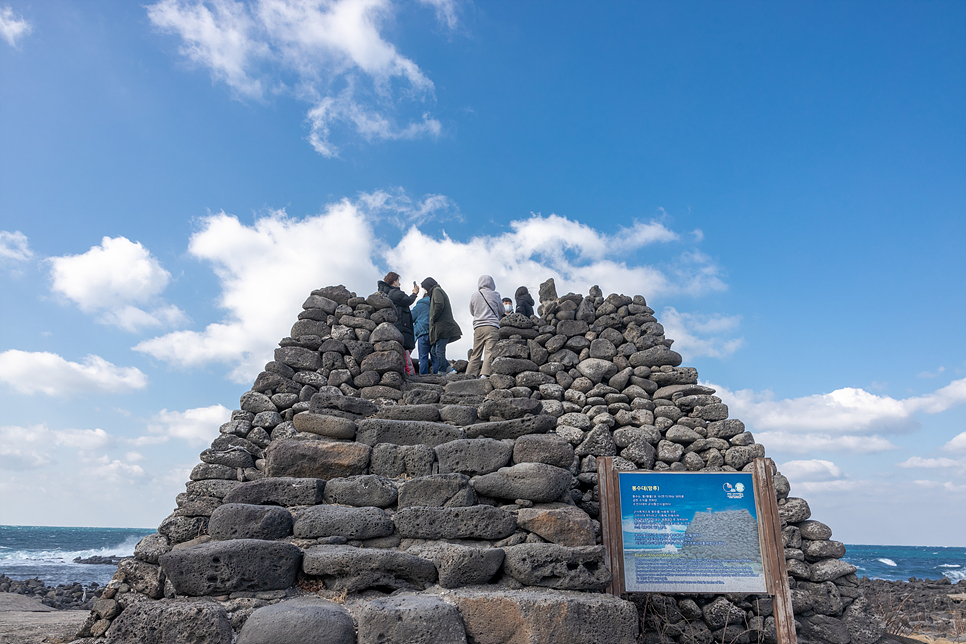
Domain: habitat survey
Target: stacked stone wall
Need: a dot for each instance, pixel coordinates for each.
(348, 499)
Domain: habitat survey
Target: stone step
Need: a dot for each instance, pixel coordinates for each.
(373, 431)
(356, 569)
(222, 567)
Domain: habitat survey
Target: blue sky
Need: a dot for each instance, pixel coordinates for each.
(785, 184)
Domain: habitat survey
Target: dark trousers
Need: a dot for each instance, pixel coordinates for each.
(422, 343)
(438, 353)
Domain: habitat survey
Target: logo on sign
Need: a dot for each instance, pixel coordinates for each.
(736, 491)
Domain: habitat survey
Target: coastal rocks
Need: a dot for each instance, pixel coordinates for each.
(222, 567)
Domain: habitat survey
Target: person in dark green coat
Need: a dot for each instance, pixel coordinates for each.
(443, 328)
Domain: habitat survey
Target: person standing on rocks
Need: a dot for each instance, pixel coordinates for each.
(443, 328)
(421, 327)
(389, 286)
(524, 301)
(486, 307)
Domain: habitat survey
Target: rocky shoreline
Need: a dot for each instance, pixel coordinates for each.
(932, 607)
(74, 596)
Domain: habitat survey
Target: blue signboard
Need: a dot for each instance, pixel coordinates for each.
(690, 532)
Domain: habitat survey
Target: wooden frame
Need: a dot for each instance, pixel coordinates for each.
(769, 537)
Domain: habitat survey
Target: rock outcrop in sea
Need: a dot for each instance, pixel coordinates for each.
(346, 502)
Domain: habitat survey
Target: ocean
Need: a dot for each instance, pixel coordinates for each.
(48, 553)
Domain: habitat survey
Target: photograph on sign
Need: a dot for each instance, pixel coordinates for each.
(690, 533)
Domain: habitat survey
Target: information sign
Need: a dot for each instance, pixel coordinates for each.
(690, 532)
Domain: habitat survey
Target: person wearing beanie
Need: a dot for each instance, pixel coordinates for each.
(389, 286)
(524, 301)
(443, 328)
(486, 306)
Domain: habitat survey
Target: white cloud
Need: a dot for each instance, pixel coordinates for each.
(811, 470)
(268, 268)
(197, 426)
(841, 485)
(947, 486)
(13, 29)
(329, 53)
(445, 11)
(23, 448)
(110, 471)
(13, 246)
(804, 443)
(48, 373)
(848, 410)
(110, 279)
(931, 374)
(687, 329)
(957, 444)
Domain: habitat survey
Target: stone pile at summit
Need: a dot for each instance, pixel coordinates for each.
(347, 502)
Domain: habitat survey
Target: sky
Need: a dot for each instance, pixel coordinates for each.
(784, 183)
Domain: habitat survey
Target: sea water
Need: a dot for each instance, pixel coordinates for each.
(48, 553)
(903, 562)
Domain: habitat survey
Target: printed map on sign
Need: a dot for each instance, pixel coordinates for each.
(690, 533)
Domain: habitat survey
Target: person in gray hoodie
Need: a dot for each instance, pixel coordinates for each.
(486, 305)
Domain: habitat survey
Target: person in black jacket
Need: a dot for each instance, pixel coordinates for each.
(524, 301)
(389, 286)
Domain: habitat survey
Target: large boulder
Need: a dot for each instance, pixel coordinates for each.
(316, 459)
(299, 620)
(473, 456)
(442, 490)
(166, 622)
(341, 521)
(536, 482)
(553, 566)
(362, 491)
(566, 525)
(497, 617)
(283, 491)
(373, 431)
(221, 567)
(356, 569)
(516, 428)
(460, 565)
(244, 521)
(475, 522)
(413, 619)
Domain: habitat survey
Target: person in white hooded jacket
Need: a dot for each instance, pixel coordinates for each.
(486, 305)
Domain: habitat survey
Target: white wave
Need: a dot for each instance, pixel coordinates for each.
(948, 566)
(888, 562)
(955, 575)
(123, 549)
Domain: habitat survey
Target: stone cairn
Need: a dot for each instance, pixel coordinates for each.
(346, 502)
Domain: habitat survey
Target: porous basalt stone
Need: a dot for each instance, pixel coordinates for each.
(414, 619)
(355, 569)
(284, 491)
(341, 521)
(221, 567)
(299, 620)
(475, 522)
(302, 459)
(244, 521)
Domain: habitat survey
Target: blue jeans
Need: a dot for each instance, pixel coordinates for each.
(423, 343)
(438, 353)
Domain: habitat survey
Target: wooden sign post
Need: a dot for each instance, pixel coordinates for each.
(691, 532)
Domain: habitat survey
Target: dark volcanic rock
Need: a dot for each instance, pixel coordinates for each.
(284, 491)
(316, 459)
(220, 567)
(355, 569)
(243, 521)
(476, 522)
(297, 621)
(342, 521)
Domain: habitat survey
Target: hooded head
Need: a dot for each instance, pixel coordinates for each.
(521, 292)
(486, 282)
(429, 284)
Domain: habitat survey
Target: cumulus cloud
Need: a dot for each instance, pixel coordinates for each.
(13, 246)
(197, 426)
(48, 373)
(110, 279)
(811, 470)
(24, 448)
(329, 53)
(957, 444)
(266, 269)
(110, 471)
(12, 29)
(846, 420)
(849, 409)
(696, 335)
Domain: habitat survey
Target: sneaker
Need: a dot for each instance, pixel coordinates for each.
(482, 377)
